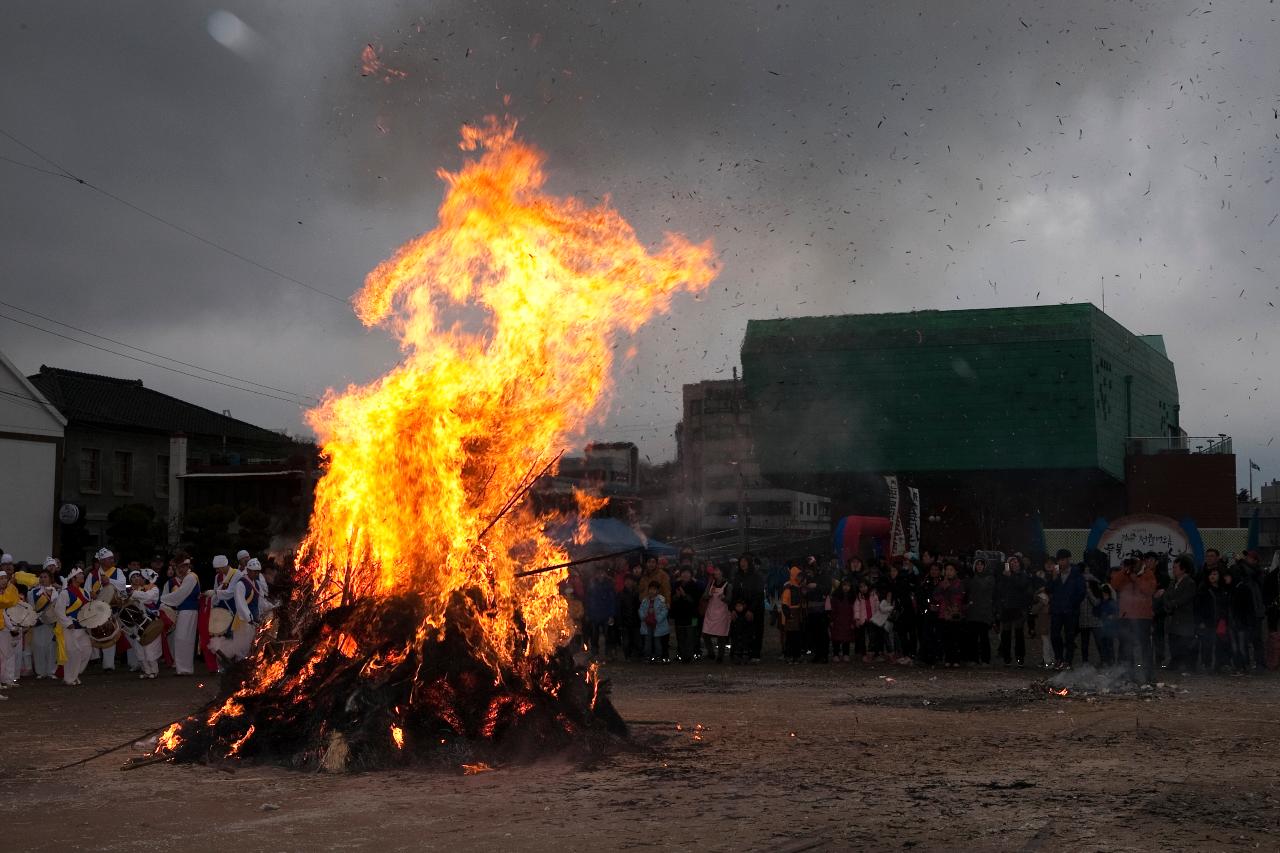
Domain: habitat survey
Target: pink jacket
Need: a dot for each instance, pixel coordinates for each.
(865, 608)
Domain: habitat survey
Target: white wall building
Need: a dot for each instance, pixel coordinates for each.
(31, 436)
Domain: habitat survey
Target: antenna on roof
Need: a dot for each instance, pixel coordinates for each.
(226, 413)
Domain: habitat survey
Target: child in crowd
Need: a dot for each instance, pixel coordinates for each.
(654, 626)
(865, 606)
(882, 624)
(842, 620)
(741, 627)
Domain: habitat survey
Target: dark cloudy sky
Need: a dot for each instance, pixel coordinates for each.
(844, 157)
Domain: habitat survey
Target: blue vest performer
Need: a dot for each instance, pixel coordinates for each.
(182, 598)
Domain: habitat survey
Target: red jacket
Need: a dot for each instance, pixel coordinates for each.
(841, 620)
(1134, 593)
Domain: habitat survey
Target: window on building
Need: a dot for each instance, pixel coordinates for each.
(162, 476)
(122, 472)
(90, 469)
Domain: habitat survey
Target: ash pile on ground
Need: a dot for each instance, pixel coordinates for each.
(1086, 681)
(357, 691)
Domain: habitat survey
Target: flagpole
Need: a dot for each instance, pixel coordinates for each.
(1250, 479)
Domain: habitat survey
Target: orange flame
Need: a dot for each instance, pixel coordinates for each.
(397, 735)
(473, 769)
(235, 747)
(170, 740)
(507, 314)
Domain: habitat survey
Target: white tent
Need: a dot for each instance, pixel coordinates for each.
(31, 433)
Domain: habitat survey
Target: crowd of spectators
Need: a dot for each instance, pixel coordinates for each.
(945, 611)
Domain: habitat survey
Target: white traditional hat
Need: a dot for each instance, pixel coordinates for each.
(150, 575)
(133, 572)
(253, 565)
(220, 561)
(104, 554)
(50, 562)
(242, 554)
(76, 570)
(6, 559)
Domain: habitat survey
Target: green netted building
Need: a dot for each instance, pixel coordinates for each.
(1008, 412)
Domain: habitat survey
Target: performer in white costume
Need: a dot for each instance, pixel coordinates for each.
(107, 573)
(44, 646)
(233, 591)
(68, 603)
(182, 593)
(146, 594)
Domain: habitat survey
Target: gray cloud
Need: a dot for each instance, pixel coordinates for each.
(843, 157)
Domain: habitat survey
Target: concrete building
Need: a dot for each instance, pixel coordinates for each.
(1265, 513)
(1006, 420)
(129, 445)
(720, 475)
(31, 441)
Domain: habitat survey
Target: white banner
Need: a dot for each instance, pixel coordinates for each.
(913, 521)
(897, 537)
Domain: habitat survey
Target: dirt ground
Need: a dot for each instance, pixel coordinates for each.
(787, 759)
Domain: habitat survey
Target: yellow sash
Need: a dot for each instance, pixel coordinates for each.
(61, 641)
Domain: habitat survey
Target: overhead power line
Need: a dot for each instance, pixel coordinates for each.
(291, 400)
(23, 399)
(311, 397)
(66, 173)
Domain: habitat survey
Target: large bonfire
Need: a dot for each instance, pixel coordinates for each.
(415, 638)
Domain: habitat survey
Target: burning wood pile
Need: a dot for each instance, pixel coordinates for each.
(416, 639)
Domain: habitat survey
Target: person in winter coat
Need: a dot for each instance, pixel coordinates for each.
(1135, 586)
(1014, 596)
(905, 619)
(715, 619)
(685, 595)
(932, 646)
(1213, 627)
(1178, 603)
(1089, 620)
(1066, 592)
(980, 611)
(792, 610)
(882, 620)
(1248, 575)
(865, 606)
(654, 626)
(628, 619)
(947, 599)
(654, 572)
(842, 620)
(1243, 621)
(749, 588)
(602, 604)
(815, 617)
(741, 631)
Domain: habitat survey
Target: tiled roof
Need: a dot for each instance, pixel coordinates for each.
(90, 398)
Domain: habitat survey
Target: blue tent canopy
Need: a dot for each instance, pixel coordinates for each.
(607, 536)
